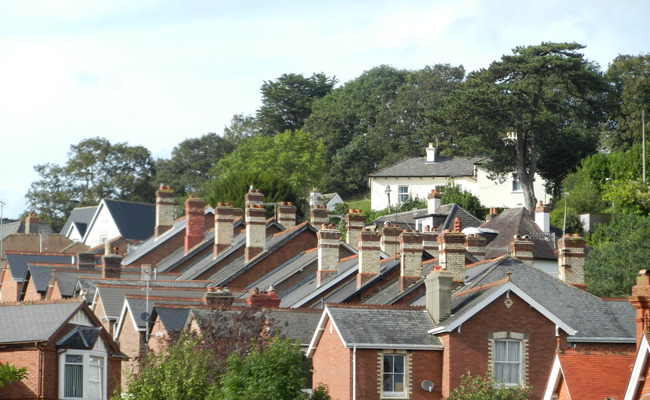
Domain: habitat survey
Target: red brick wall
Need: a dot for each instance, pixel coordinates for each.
(303, 241)
(332, 364)
(30, 293)
(132, 344)
(9, 289)
(468, 349)
(161, 251)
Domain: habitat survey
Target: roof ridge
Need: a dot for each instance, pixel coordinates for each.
(41, 302)
(483, 287)
(375, 306)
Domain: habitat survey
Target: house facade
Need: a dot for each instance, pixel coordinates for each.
(68, 355)
(417, 177)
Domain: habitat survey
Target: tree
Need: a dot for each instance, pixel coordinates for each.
(465, 199)
(617, 248)
(11, 374)
(536, 111)
(182, 372)
(233, 187)
(482, 387)
(241, 128)
(95, 170)
(295, 156)
(629, 78)
(187, 169)
(344, 121)
(278, 371)
(287, 101)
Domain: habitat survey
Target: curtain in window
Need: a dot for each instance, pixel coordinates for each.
(507, 361)
(96, 373)
(73, 378)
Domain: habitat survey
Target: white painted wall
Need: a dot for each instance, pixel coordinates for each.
(493, 193)
(102, 228)
(417, 187)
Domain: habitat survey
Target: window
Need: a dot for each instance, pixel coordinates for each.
(393, 375)
(516, 183)
(83, 376)
(507, 362)
(402, 193)
(509, 355)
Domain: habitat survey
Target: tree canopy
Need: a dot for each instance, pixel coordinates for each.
(536, 111)
(191, 160)
(96, 169)
(11, 374)
(287, 101)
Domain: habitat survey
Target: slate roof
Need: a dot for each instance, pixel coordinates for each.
(153, 242)
(518, 221)
(81, 337)
(172, 318)
(40, 275)
(296, 324)
(443, 218)
(10, 227)
(419, 167)
(81, 216)
(137, 305)
(383, 327)
(31, 322)
(18, 262)
(113, 296)
(133, 220)
(606, 321)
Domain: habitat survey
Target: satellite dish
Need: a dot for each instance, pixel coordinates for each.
(144, 316)
(427, 386)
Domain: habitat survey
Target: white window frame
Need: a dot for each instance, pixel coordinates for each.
(516, 183)
(404, 373)
(507, 360)
(403, 193)
(86, 354)
(507, 336)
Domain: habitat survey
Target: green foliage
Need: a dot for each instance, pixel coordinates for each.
(573, 224)
(179, 373)
(233, 187)
(629, 79)
(95, 170)
(536, 111)
(484, 388)
(294, 156)
(11, 374)
(465, 199)
(187, 169)
(617, 249)
(277, 372)
(287, 101)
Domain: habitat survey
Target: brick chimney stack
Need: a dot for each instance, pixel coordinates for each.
(640, 299)
(438, 295)
(31, 224)
(354, 223)
(287, 215)
(319, 215)
(255, 225)
(389, 241)
(165, 205)
(194, 222)
(328, 252)
(268, 299)
(522, 248)
(543, 217)
(410, 248)
(433, 201)
(571, 259)
(111, 266)
(224, 215)
(430, 241)
(451, 254)
(492, 214)
(475, 245)
(217, 296)
(368, 256)
(85, 261)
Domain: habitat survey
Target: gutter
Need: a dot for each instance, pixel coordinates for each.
(393, 346)
(603, 339)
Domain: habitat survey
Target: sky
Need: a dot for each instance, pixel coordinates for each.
(157, 72)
